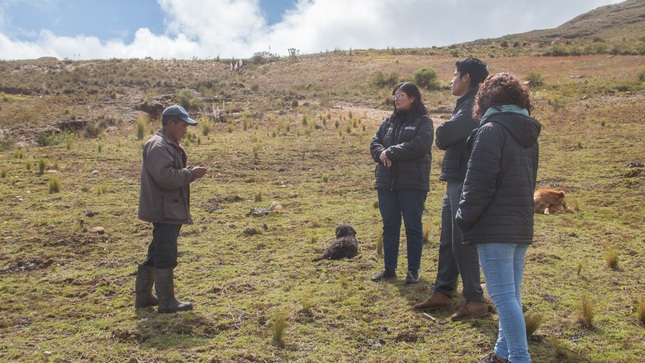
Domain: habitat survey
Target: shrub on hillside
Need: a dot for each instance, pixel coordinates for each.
(380, 80)
(641, 75)
(426, 77)
(55, 138)
(186, 98)
(535, 79)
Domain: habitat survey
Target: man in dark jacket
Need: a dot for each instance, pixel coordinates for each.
(455, 258)
(164, 200)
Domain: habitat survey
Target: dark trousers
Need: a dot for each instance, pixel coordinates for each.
(162, 252)
(394, 206)
(456, 258)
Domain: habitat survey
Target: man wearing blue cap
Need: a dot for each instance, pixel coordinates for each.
(164, 200)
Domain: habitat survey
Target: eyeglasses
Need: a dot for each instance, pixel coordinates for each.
(396, 96)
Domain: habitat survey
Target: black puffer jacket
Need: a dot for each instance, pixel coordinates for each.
(497, 201)
(452, 135)
(408, 143)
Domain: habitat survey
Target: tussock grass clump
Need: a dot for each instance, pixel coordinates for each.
(560, 349)
(101, 189)
(28, 164)
(7, 142)
(18, 154)
(3, 172)
(426, 236)
(54, 185)
(580, 266)
(533, 321)
(640, 312)
(307, 302)
(313, 238)
(279, 327)
(257, 197)
(140, 126)
(611, 259)
(379, 245)
(586, 315)
(41, 166)
(206, 127)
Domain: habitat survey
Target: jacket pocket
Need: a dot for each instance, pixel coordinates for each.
(174, 206)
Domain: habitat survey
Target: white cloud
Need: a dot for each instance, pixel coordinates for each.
(236, 28)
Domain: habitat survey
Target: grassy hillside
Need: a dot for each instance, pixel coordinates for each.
(296, 131)
(617, 29)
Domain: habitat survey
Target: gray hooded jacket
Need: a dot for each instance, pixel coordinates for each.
(497, 200)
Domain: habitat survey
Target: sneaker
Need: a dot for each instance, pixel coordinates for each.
(386, 274)
(412, 277)
(436, 301)
(471, 309)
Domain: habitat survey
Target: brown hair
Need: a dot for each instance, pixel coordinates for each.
(498, 90)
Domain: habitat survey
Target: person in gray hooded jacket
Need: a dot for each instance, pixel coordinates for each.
(496, 209)
(164, 200)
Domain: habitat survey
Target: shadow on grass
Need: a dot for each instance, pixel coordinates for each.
(170, 331)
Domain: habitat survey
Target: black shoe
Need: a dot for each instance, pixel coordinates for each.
(412, 277)
(386, 274)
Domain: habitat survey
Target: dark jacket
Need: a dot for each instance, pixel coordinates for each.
(451, 136)
(165, 194)
(408, 144)
(497, 200)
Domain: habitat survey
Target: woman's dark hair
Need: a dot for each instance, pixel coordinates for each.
(498, 90)
(410, 89)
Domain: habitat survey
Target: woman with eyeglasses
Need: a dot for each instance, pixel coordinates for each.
(402, 150)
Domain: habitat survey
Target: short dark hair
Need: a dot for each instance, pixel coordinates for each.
(498, 90)
(166, 119)
(476, 68)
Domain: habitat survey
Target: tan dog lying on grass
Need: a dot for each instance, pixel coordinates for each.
(549, 201)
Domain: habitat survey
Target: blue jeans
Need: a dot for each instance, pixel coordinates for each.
(394, 206)
(503, 266)
(456, 258)
(162, 251)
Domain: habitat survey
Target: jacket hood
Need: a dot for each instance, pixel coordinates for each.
(525, 130)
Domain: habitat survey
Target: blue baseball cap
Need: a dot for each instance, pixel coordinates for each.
(176, 110)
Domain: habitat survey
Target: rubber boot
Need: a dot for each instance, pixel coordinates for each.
(164, 285)
(143, 287)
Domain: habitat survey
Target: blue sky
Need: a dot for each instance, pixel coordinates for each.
(185, 29)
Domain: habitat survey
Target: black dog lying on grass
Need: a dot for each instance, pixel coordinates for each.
(345, 245)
